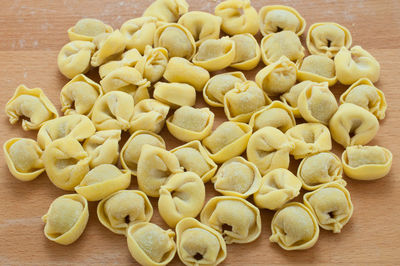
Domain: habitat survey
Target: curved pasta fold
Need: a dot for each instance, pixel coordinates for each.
(109, 45)
(149, 114)
(283, 43)
(128, 59)
(153, 64)
(276, 114)
(247, 52)
(175, 94)
(290, 97)
(167, 10)
(139, 32)
(276, 18)
(87, 29)
(317, 68)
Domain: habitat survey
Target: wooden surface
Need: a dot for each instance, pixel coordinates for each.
(32, 32)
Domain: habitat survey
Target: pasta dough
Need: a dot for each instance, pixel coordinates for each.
(88, 28)
(317, 68)
(139, 32)
(247, 52)
(128, 59)
(167, 10)
(153, 64)
(276, 114)
(109, 45)
(283, 43)
(276, 18)
(290, 97)
(149, 114)
(175, 94)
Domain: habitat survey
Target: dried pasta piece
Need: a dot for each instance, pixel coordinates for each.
(290, 97)
(102, 181)
(228, 140)
(183, 71)
(317, 68)
(129, 59)
(129, 80)
(74, 58)
(151, 245)
(199, 244)
(363, 93)
(66, 162)
(130, 152)
(79, 95)
(30, 104)
(66, 219)
(188, 123)
(215, 55)
(87, 29)
(237, 177)
(283, 43)
(235, 218)
(109, 45)
(167, 10)
(103, 147)
(320, 169)
(289, 233)
(309, 138)
(268, 149)
(276, 114)
(316, 103)
(278, 187)
(238, 16)
(153, 64)
(247, 52)
(77, 126)
(23, 158)
(181, 196)
(113, 110)
(193, 157)
(278, 77)
(124, 208)
(276, 18)
(139, 32)
(331, 205)
(176, 39)
(327, 38)
(175, 94)
(154, 167)
(217, 86)
(353, 125)
(149, 114)
(366, 162)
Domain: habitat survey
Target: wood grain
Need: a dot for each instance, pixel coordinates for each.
(32, 32)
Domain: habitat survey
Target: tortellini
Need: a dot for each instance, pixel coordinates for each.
(238, 16)
(283, 43)
(113, 110)
(154, 167)
(268, 149)
(30, 104)
(153, 64)
(102, 181)
(363, 93)
(188, 123)
(149, 114)
(237, 177)
(247, 52)
(277, 188)
(66, 162)
(193, 157)
(199, 244)
(130, 152)
(290, 98)
(317, 68)
(129, 59)
(88, 28)
(320, 169)
(216, 87)
(366, 162)
(167, 10)
(175, 94)
(167, 35)
(74, 58)
(228, 140)
(276, 114)
(327, 38)
(278, 77)
(235, 218)
(129, 80)
(331, 205)
(289, 233)
(23, 158)
(276, 18)
(66, 219)
(316, 103)
(181, 196)
(243, 100)
(103, 147)
(309, 138)
(149, 244)
(124, 208)
(183, 71)
(139, 32)
(79, 95)
(353, 125)
(108, 46)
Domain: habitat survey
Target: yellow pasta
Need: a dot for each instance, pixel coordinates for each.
(283, 43)
(247, 52)
(276, 18)
(128, 59)
(317, 68)
(153, 64)
(139, 32)
(149, 114)
(87, 29)
(175, 94)
(167, 10)
(276, 114)
(290, 97)
(109, 45)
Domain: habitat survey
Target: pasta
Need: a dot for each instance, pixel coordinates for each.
(66, 219)
(139, 32)
(128, 59)
(175, 94)
(153, 64)
(283, 43)
(353, 125)
(149, 114)
(167, 10)
(30, 104)
(317, 68)
(276, 18)
(290, 97)
(276, 114)
(247, 52)
(87, 29)
(109, 45)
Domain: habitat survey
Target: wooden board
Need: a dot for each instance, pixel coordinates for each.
(32, 32)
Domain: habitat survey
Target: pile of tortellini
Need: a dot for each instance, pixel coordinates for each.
(168, 54)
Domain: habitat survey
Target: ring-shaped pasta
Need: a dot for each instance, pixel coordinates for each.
(290, 97)
(109, 45)
(317, 68)
(275, 18)
(247, 52)
(139, 32)
(276, 114)
(87, 29)
(128, 59)
(153, 63)
(149, 114)
(167, 10)
(175, 94)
